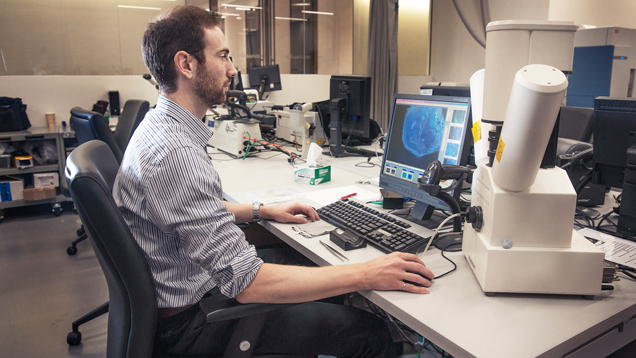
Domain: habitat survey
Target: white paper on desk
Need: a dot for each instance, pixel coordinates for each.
(328, 196)
(617, 250)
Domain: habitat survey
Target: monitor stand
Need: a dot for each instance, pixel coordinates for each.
(421, 211)
(348, 151)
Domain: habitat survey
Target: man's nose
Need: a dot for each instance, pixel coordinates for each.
(232, 71)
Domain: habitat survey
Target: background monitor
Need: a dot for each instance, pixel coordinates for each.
(349, 112)
(614, 134)
(615, 155)
(423, 129)
(264, 79)
(458, 91)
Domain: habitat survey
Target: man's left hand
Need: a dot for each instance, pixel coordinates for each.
(289, 213)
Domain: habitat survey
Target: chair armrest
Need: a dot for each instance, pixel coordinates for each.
(569, 146)
(220, 308)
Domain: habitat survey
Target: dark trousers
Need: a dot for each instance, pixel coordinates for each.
(313, 328)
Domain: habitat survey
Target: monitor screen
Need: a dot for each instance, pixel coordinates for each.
(423, 129)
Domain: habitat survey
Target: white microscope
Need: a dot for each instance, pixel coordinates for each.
(521, 237)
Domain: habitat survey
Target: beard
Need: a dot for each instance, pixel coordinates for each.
(206, 88)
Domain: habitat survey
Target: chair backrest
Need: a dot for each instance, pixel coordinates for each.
(90, 173)
(92, 125)
(134, 111)
(576, 123)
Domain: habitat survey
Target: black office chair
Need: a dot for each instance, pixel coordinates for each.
(92, 125)
(89, 126)
(90, 173)
(576, 123)
(134, 111)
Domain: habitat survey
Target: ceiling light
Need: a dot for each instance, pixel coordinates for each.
(290, 18)
(243, 7)
(228, 14)
(317, 12)
(139, 7)
(302, 4)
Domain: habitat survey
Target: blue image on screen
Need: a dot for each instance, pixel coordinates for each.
(455, 133)
(450, 161)
(452, 149)
(458, 117)
(423, 130)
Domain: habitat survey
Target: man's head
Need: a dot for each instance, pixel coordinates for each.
(194, 33)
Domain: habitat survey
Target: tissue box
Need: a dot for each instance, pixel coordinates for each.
(40, 180)
(312, 176)
(11, 189)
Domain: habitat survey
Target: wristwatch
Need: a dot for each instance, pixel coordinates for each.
(256, 208)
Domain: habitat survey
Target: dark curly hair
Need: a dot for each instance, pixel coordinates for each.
(178, 29)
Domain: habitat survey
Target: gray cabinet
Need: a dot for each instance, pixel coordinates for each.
(38, 134)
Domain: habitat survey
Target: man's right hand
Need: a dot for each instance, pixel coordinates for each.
(390, 271)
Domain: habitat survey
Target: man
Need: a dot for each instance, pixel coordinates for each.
(171, 198)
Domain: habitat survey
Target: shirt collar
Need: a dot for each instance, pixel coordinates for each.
(181, 115)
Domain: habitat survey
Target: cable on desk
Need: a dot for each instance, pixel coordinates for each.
(275, 145)
(423, 253)
(249, 138)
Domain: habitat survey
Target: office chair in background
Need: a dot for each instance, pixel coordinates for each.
(90, 125)
(90, 173)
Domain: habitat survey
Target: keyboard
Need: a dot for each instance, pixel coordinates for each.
(384, 231)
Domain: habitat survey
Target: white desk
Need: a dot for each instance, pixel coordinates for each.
(456, 315)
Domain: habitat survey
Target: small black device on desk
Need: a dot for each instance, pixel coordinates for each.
(384, 231)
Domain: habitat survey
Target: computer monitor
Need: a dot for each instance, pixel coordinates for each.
(423, 129)
(455, 91)
(615, 154)
(350, 111)
(264, 79)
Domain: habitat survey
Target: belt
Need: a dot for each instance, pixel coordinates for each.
(170, 311)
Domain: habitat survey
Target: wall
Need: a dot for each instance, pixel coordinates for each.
(455, 55)
(599, 13)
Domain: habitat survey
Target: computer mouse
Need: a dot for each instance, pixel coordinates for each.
(417, 284)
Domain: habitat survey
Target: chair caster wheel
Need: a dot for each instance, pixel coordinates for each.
(71, 250)
(57, 210)
(74, 338)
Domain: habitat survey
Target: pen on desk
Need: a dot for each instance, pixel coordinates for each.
(335, 252)
(348, 196)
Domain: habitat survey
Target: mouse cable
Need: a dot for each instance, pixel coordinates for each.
(449, 260)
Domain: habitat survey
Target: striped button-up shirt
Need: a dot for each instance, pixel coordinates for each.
(171, 197)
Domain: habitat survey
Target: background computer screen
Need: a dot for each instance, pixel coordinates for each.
(423, 129)
(357, 90)
(264, 79)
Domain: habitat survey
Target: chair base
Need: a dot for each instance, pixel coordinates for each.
(72, 250)
(75, 337)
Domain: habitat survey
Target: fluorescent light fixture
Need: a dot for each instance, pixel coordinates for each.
(289, 18)
(317, 12)
(139, 7)
(302, 4)
(243, 7)
(228, 14)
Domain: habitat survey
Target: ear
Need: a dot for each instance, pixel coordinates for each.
(185, 64)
